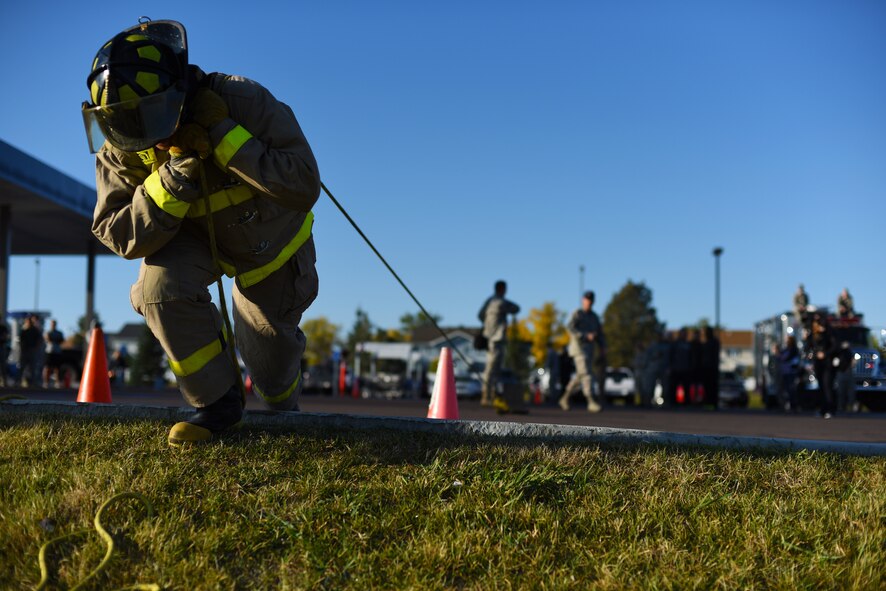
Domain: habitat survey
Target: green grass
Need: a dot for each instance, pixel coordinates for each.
(384, 510)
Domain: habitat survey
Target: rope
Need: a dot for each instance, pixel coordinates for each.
(213, 247)
(221, 292)
(400, 281)
(109, 544)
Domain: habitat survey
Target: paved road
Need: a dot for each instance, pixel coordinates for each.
(864, 427)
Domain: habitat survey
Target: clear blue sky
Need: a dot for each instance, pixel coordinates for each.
(482, 140)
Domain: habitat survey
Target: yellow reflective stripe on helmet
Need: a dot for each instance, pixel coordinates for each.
(255, 275)
(281, 397)
(163, 198)
(196, 360)
(230, 144)
(221, 200)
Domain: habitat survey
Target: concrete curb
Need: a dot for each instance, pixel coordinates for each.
(530, 431)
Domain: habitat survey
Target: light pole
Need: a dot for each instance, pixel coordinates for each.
(581, 280)
(717, 252)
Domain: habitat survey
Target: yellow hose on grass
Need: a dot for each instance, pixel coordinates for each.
(109, 543)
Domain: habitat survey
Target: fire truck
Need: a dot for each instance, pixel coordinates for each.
(868, 370)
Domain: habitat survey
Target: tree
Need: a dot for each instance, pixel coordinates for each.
(361, 330)
(629, 322)
(148, 363)
(409, 322)
(546, 329)
(321, 335)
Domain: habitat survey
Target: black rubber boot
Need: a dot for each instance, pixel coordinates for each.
(210, 420)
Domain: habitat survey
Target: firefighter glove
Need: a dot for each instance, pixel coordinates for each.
(208, 109)
(181, 177)
(190, 138)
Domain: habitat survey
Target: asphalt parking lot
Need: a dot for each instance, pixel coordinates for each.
(862, 427)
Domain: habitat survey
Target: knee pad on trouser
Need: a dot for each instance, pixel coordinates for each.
(172, 296)
(266, 319)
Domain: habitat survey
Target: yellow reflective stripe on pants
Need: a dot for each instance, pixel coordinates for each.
(281, 397)
(230, 144)
(221, 200)
(255, 275)
(197, 360)
(163, 198)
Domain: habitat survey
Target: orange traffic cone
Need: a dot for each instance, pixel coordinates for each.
(95, 385)
(342, 378)
(444, 404)
(537, 399)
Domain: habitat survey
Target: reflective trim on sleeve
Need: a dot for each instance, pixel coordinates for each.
(197, 360)
(230, 144)
(163, 198)
(281, 397)
(221, 200)
(255, 275)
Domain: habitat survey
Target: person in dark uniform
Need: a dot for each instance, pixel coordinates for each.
(789, 363)
(681, 363)
(822, 349)
(710, 367)
(694, 379)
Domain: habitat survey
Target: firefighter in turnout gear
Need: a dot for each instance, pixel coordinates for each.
(175, 146)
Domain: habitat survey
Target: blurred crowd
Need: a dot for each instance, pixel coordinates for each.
(39, 354)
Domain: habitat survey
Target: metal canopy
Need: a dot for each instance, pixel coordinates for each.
(49, 212)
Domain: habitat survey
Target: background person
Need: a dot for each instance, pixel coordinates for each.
(494, 316)
(585, 332)
(30, 341)
(5, 347)
(800, 305)
(54, 339)
(845, 304)
(823, 349)
(710, 367)
(789, 368)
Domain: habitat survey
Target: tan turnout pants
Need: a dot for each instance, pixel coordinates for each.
(172, 293)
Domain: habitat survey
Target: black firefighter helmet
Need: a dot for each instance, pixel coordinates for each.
(137, 87)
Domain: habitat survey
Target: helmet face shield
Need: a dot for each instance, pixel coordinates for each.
(136, 124)
(137, 87)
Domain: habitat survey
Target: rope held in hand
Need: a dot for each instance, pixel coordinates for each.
(213, 247)
(109, 543)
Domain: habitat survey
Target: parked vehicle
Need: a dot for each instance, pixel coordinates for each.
(387, 378)
(620, 385)
(318, 379)
(732, 390)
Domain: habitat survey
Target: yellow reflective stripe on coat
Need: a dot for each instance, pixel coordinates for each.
(255, 275)
(221, 200)
(281, 397)
(198, 359)
(163, 198)
(230, 144)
